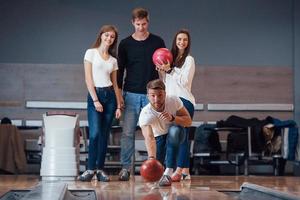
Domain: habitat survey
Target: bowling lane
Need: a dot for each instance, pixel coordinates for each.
(200, 187)
(17, 182)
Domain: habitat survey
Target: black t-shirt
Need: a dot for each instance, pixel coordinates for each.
(135, 57)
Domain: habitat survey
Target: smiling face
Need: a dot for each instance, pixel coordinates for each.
(108, 38)
(157, 99)
(140, 25)
(182, 41)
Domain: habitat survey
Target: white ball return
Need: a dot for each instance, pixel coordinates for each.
(60, 158)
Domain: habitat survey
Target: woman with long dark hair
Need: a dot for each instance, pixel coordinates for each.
(178, 77)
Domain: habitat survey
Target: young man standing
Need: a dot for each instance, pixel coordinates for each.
(162, 122)
(135, 60)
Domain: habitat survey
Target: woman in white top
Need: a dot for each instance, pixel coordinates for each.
(100, 67)
(178, 77)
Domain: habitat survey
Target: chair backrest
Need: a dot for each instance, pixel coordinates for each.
(206, 139)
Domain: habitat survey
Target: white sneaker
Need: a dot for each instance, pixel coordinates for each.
(186, 177)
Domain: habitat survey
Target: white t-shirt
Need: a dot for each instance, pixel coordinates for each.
(149, 116)
(179, 81)
(101, 69)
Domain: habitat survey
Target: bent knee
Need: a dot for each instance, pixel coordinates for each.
(176, 135)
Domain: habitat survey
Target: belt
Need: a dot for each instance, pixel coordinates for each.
(105, 88)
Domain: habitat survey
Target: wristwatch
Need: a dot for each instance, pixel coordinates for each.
(172, 119)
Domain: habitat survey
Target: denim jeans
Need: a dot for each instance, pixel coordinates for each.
(184, 148)
(176, 136)
(161, 147)
(99, 126)
(168, 144)
(134, 102)
(180, 151)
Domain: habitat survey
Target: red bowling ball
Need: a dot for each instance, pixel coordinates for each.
(151, 170)
(162, 55)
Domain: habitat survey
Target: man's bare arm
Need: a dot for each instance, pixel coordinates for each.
(149, 141)
(183, 117)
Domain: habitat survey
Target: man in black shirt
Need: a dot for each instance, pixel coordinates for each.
(135, 63)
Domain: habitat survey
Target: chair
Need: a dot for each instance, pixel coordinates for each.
(257, 158)
(12, 153)
(213, 158)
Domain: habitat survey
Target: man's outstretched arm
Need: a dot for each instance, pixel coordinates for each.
(149, 141)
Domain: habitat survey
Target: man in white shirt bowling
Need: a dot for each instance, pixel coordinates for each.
(162, 122)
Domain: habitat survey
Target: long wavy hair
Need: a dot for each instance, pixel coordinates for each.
(178, 61)
(112, 50)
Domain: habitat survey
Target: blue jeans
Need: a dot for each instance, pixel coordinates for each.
(161, 142)
(167, 145)
(134, 102)
(178, 149)
(99, 126)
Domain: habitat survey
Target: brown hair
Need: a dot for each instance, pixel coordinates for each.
(113, 47)
(140, 13)
(156, 84)
(178, 61)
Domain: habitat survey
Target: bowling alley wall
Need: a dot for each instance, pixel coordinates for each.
(246, 53)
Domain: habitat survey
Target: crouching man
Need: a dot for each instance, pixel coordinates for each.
(162, 121)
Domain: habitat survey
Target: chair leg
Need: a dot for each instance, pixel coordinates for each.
(246, 169)
(237, 166)
(279, 166)
(276, 166)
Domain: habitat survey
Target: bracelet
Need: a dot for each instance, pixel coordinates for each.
(119, 108)
(151, 157)
(169, 71)
(96, 100)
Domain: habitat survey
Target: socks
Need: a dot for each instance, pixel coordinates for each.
(90, 171)
(168, 171)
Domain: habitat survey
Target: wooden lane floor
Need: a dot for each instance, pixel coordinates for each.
(200, 187)
(17, 182)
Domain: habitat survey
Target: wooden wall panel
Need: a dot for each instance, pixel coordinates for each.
(242, 85)
(212, 84)
(55, 82)
(233, 84)
(11, 85)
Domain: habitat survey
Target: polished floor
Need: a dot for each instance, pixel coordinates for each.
(200, 187)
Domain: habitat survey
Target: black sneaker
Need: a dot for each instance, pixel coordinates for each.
(87, 175)
(102, 176)
(124, 175)
(165, 180)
